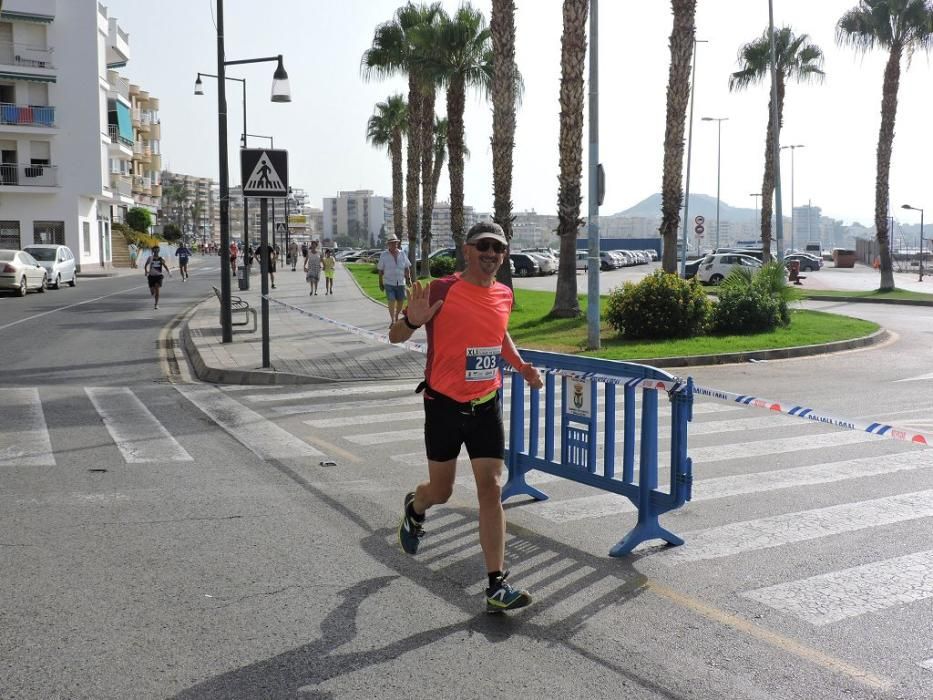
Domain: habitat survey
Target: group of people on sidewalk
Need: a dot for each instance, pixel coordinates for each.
(315, 263)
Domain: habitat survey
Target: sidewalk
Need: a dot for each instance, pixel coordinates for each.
(302, 349)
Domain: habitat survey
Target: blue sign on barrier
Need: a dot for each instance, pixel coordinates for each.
(582, 378)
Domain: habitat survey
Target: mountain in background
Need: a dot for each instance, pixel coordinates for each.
(702, 204)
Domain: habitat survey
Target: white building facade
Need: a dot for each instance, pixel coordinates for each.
(55, 144)
(359, 215)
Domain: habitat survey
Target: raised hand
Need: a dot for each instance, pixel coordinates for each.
(419, 310)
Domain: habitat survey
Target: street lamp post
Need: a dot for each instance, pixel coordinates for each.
(719, 121)
(199, 90)
(793, 225)
(280, 93)
(907, 206)
(757, 196)
(683, 255)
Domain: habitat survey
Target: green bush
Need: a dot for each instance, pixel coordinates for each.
(443, 265)
(139, 219)
(659, 306)
(753, 302)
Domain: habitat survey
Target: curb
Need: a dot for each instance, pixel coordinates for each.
(875, 338)
(863, 300)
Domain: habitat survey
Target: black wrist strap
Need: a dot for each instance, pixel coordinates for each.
(410, 324)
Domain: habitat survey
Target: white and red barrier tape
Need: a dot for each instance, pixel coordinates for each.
(787, 408)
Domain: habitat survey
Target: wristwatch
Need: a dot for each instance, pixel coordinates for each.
(410, 324)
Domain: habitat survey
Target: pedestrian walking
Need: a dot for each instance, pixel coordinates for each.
(268, 253)
(467, 316)
(394, 276)
(329, 263)
(313, 265)
(183, 252)
(234, 252)
(304, 250)
(293, 254)
(154, 269)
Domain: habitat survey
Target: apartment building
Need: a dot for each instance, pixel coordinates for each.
(192, 203)
(358, 214)
(55, 142)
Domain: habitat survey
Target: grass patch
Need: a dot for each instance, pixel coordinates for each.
(531, 327)
(895, 295)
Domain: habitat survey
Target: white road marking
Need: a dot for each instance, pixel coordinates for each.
(138, 434)
(262, 437)
(821, 600)
(915, 379)
(928, 664)
(406, 388)
(70, 306)
(295, 410)
(24, 436)
(778, 530)
(761, 448)
(386, 417)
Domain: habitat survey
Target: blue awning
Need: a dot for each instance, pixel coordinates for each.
(124, 121)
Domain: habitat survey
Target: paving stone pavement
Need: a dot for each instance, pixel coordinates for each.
(302, 349)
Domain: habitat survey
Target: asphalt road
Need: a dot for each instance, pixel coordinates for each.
(174, 539)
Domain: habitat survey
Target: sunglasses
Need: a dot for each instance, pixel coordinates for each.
(485, 244)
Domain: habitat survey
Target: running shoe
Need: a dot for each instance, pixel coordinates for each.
(501, 596)
(410, 531)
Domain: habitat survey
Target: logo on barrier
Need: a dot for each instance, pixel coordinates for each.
(579, 393)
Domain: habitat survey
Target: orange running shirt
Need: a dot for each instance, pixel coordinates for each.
(465, 337)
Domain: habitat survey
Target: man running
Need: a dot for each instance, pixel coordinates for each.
(183, 252)
(154, 268)
(467, 316)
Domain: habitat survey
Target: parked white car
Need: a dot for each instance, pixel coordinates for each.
(546, 264)
(715, 268)
(58, 261)
(20, 271)
(583, 258)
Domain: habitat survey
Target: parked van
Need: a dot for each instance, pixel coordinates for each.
(814, 248)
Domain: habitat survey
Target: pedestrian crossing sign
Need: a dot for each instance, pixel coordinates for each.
(264, 172)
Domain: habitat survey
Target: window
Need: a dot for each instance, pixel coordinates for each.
(9, 235)
(48, 232)
(86, 242)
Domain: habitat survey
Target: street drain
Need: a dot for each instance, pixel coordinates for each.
(98, 471)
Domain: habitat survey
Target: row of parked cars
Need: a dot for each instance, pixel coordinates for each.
(37, 267)
(715, 267)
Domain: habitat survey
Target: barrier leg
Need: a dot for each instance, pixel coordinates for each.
(644, 530)
(516, 484)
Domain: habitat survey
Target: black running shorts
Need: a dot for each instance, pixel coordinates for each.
(446, 428)
(155, 281)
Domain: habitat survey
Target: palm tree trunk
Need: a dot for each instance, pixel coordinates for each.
(570, 146)
(395, 149)
(767, 185)
(456, 99)
(502, 91)
(427, 156)
(892, 77)
(414, 164)
(678, 94)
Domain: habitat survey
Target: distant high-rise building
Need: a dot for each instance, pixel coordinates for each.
(193, 204)
(359, 215)
(807, 226)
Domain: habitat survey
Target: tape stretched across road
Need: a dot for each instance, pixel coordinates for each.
(790, 409)
(785, 407)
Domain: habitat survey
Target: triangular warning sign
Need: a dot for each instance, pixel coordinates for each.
(264, 176)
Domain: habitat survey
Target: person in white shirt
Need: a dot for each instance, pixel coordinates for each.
(394, 276)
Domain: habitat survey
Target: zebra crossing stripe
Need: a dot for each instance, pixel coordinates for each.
(603, 505)
(778, 530)
(138, 434)
(24, 436)
(387, 417)
(833, 597)
(386, 437)
(403, 388)
(777, 446)
(262, 437)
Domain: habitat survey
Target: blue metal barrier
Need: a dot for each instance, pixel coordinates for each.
(579, 425)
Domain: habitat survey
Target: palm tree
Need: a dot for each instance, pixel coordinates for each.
(678, 92)
(796, 59)
(440, 153)
(572, 58)
(895, 25)
(392, 53)
(462, 58)
(386, 128)
(503, 93)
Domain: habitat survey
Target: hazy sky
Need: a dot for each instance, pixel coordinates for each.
(324, 126)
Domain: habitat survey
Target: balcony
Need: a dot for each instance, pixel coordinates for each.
(21, 175)
(155, 131)
(141, 153)
(27, 115)
(119, 84)
(141, 185)
(113, 131)
(156, 190)
(24, 55)
(122, 184)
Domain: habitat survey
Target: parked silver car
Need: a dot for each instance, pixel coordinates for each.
(20, 271)
(57, 261)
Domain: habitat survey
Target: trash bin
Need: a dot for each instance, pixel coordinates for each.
(242, 276)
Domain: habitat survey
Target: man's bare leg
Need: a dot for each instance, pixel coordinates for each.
(486, 472)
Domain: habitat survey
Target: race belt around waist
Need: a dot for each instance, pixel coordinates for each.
(465, 407)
